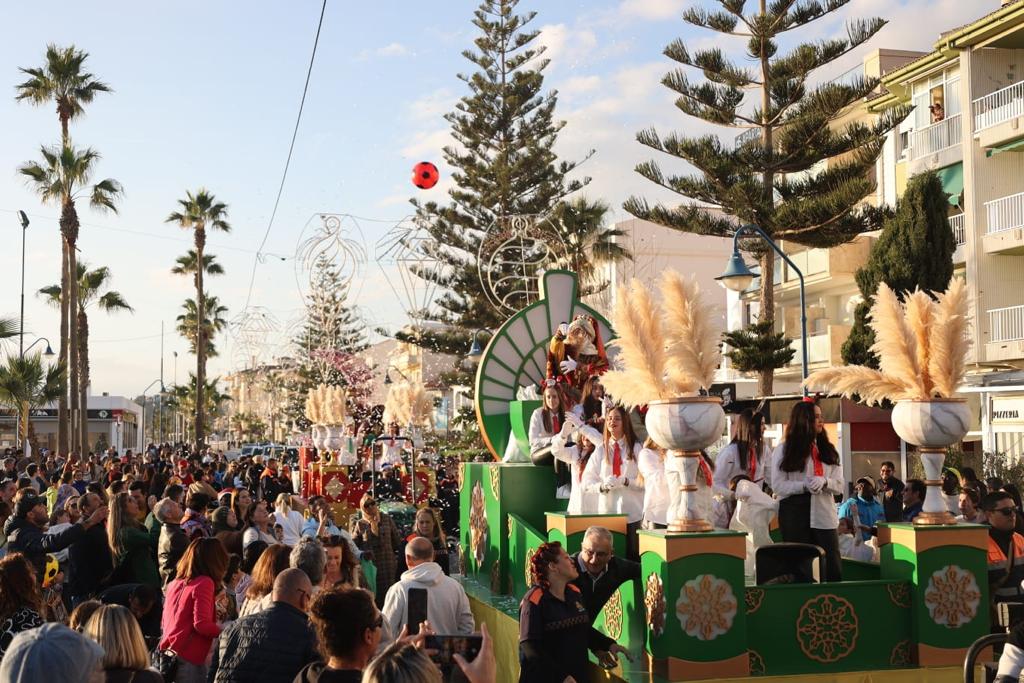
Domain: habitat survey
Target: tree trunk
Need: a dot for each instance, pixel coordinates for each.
(766, 377)
(63, 433)
(73, 352)
(83, 382)
(200, 239)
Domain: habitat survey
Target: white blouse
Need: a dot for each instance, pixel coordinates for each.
(623, 497)
(823, 504)
(727, 466)
(539, 437)
(656, 499)
(583, 474)
(390, 452)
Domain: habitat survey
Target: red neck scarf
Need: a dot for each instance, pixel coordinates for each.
(705, 469)
(819, 469)
(753, 464)
(617, 460)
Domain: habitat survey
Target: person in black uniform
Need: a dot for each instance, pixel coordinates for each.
(554, 627)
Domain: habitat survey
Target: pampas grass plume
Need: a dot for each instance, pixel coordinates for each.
(948, 360)
(641, 349)
(692, 335)
(895, 344)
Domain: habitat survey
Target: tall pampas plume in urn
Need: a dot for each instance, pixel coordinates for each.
(922, 348)
(407, 403)
(664, 351)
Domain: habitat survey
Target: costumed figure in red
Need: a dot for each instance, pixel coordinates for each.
(576, 352)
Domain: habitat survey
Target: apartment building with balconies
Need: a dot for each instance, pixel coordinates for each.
(831, 291)
(968, 125)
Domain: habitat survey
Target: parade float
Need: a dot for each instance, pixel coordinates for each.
(695, 614)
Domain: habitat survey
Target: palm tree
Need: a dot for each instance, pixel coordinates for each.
(62, 178)
(25, 383)
(8, 328)
(90, 285)
(62, 81)
(215, 323)
(186, 265)
(183, 397)
(589, 243)
(198, 212)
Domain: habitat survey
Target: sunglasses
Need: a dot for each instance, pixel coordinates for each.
(1009, 512)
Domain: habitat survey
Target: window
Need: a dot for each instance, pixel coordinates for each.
(936, 98)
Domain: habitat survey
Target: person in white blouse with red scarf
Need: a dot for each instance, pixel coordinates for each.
(574, 445)
(806, 476)
(620, 486)
(746, 455)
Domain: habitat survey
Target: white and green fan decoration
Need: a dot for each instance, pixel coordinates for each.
(516, 355)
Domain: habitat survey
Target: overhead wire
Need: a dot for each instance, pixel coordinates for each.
(288, 161)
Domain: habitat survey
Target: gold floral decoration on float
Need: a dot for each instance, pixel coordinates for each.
(495, 479)
(529, 564)
(478, 525)
(756, 663)
(613, 616)
(753, 598)
(827, 628)
(462, 561)
(706, 607)
(334, 489)
(460, 475)
(900, 655)
(899, 594)
(654, 601)
(952, 596)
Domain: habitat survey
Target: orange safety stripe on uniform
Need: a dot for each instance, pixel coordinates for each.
(996, 556)
(535, 596)
(573, 586)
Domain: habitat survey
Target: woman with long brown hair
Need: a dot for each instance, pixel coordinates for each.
(131, 546)
(746, 455)
(272, 562)
(806, 476)
(189, 622)
(20, 600)
(545, 423)
(620, 485)
(576, 450)
(343, 568)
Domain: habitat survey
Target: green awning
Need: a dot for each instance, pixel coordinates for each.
(1009, 146)
(952, 178)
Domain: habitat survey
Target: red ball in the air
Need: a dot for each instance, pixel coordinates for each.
(425, 175)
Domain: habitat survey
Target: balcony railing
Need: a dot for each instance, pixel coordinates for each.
(935, 138)
(819, 349)
(1006, 324)
(1005, 213)
(1002, 105)
(746, 136)
(957, 225)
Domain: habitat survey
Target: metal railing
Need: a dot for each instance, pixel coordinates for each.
(819, 348)
(959, 228)
(936, 137)
(1005, 213)
(746, 136)
(1006, 324)
(997, 107)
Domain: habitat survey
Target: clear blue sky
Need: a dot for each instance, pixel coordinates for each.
(206, 94)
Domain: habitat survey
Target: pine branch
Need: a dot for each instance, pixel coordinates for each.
(712, 63)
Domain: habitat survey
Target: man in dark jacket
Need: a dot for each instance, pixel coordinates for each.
(26, 529)
(89, 559)
(173, 541)
(600, 572)
(272, 645)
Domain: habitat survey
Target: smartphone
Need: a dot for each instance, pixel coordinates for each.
(416, 609)
(443, 647)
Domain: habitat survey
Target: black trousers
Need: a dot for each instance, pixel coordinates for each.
(795, 525)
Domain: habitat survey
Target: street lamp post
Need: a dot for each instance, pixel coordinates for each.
(21, 325)
(23, 409)
(737, 277)
(156, 381)
(476, 349)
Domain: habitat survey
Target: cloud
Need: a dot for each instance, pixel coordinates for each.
(567, 47)
(389, 50)
(579, 84)
(651, 10)
(432, 106)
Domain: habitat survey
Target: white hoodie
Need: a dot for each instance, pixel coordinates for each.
(447, 605)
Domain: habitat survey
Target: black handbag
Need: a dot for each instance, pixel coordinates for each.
(166, 663)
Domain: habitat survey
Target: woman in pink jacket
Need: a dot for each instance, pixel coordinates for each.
(189, 623)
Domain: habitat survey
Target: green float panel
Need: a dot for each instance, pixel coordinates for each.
(946, 569)
(569, 530)
(520, 413)
(489, 493)
(694, 604)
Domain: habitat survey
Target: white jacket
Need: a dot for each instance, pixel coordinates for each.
(656, 498)
(539, 437)
(624, 496)
(585, 474)
(727, 466)
(447, 605)
(823, 505)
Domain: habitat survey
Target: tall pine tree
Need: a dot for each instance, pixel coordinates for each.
(914, 251)
(331, 325)
(505, 130)
(771, 178)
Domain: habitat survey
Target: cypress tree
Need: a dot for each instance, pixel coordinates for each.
(914, 251)
(773, 176)
(504, 165)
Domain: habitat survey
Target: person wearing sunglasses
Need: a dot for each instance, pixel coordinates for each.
(1005, 572)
